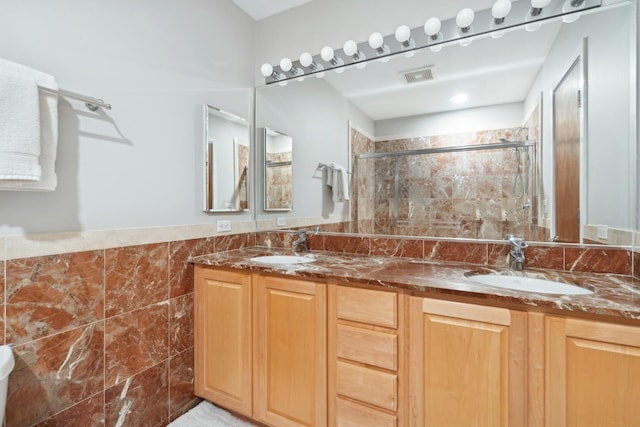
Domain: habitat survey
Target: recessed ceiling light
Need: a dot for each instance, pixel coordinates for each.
(460, 98)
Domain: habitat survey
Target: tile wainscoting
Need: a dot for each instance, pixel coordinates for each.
(105, 336)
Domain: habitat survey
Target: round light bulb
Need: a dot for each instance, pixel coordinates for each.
(306, 59)
(376, 40)
(350, 48)
(266, 70)
(286, 64)
(326, 53)
(501, 8)
(465, 17)
(539, 4)
(403, 33)
(432, 26)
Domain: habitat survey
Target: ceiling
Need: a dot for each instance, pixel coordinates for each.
(260, 9)
(489, 71)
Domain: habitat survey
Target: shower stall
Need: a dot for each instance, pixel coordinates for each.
(448, 187)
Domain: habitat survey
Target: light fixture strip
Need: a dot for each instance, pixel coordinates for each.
(519, 16)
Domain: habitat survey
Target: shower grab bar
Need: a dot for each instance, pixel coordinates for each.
(460, 148)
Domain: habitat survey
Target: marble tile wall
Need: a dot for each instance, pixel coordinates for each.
(363, 190)
(552, 256)
(474, 194)
(279, 180)
(103, 337)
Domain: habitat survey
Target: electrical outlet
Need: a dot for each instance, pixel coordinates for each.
(223, 226)
(603, 232)
(281, 221)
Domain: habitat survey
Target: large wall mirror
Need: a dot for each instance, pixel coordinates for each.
(557, 104)
(278, 170)
(226, 147)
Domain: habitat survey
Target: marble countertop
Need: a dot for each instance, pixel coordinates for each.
(613, 295)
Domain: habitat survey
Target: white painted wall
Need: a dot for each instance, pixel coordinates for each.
(158, 62)
(610, 82)
(315, 115)
(469, 120)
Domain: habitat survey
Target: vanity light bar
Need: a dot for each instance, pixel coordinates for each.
(483, 24)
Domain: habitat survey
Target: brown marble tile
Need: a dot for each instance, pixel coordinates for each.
(135, 341)
(544, 257)
(409, 248)
(234, 241)
(274, 239)
(596, 260)
(498, 254)
(352, 245)
(89, 412)
(54, 373)
(180, 269)
(316, 243)
(472, 253)
(51, 294)
(181, 381)
(135, 277)
(636, 264)
(141, 400)
(181, 323)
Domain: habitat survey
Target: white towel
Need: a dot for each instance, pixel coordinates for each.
(339, 182)
(28, 129)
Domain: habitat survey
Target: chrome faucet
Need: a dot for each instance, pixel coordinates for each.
(301, 244)
(517, 251)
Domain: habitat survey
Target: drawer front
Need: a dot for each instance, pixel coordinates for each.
(350, 414)
(367, 385)
(368, 347)
(367, 306)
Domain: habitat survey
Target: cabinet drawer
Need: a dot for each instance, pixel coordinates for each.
(369, 347)
(367, 306)
(350, 414)
(367, 385)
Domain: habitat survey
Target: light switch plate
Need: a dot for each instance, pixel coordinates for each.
(280, 221)
(223, 226)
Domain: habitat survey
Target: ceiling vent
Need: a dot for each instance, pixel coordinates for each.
(420, 74)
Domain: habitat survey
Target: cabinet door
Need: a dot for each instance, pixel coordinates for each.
(291, 352)
(223, 343)
(466, 364)
(592, 373)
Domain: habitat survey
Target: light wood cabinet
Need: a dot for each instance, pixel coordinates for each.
(592, 373)
(290, 364)
(260, 346)
(223, 338)
(466, 364)
(290, 353)
(365, 357)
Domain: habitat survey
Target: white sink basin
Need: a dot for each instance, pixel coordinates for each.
(529, 284)
(282, 259)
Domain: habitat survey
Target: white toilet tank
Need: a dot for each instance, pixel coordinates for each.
(6, 366)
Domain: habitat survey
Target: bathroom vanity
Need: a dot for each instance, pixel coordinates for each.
(351, 340)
